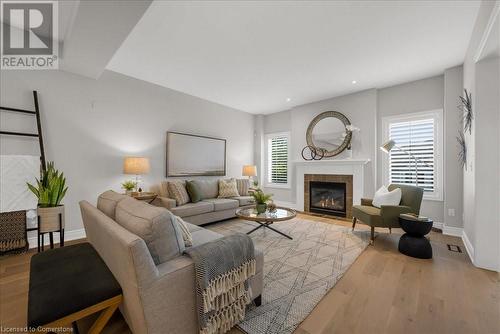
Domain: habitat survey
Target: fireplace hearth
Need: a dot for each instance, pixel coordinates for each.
(328, 198)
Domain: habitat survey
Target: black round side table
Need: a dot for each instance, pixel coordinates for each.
(414, 243)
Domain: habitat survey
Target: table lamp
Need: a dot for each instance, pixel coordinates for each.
(250, 171)
(136, 166)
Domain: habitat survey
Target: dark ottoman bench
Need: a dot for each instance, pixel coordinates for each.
(68, 284)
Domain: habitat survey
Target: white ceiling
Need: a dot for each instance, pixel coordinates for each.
(255, 55)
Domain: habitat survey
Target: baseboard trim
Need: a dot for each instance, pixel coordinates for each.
(68, 236)
(468, 246)
(438, 225)
(453, 231)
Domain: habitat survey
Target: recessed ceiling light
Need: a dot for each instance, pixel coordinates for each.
(354, 82)
(288, 99)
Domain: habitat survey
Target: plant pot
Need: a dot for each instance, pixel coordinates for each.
(50, 219)
(261, 208)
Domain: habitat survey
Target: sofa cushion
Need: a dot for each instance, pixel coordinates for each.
(194, 191)
(192, 227)
(243, 185)
(208, 188)
(192, 209)
(107, 201)
(155, 225)
(245, 200)
(228, 188)
(177, 189)
(203, 235)
(223, 203)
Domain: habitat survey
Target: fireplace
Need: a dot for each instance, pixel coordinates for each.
(328, 194)
(327, 198)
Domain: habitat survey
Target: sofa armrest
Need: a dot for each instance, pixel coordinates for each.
(165, 202)
(390, 213)
(367, 202)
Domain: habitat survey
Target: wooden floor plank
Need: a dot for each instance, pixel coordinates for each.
(382, 292)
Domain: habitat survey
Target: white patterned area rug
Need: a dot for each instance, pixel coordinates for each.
(298, 273)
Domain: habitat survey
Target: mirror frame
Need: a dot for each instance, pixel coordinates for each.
(328, 114)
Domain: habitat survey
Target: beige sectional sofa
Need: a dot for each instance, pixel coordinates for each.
(143, 249)
(209, 209)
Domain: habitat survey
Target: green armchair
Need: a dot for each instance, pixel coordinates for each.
(388, 215)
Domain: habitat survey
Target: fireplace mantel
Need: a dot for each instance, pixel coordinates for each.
(333, 162)
(354, 167)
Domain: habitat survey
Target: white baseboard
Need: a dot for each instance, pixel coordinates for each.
(438, 225)
(68, 236)
(468, 246)
(453, 231)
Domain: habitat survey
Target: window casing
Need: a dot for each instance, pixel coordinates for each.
(278, 160)
(420, 134)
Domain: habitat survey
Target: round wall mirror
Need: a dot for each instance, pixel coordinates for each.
(328, 132)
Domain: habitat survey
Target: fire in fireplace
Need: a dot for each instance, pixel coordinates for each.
(328, 198)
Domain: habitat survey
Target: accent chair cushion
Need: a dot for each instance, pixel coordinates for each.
(209, 188)
(385, 197)
(107, 201)
(193, 209)
(194, 191)
(156, 226)
(228, 188)
(177, 191)
(243, 185)
(369, 215)
(223, 203)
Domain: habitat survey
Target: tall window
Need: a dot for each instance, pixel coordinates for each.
(419, 134)
(277, 146)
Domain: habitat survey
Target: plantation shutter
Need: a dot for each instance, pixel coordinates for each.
(417, 138)
(278, 160)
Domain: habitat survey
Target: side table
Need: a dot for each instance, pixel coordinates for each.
(414, 243)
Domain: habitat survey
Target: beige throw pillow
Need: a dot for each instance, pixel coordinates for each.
(228, 188)
(177, 189)
(243, 185)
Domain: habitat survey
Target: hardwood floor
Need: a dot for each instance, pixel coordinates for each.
(383, 292)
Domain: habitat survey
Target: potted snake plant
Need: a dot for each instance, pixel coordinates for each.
(261, 200)
(50, 190)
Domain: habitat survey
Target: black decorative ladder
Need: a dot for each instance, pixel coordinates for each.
(37, 135)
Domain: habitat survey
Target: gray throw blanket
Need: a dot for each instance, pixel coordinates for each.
(222, 269)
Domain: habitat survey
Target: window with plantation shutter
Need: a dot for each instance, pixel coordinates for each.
(420, 135)
(277, 159)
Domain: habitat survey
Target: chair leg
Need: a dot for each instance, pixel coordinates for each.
(43, 242)
(353, 222)
(390, 230)
(372, 238)
(51, 237)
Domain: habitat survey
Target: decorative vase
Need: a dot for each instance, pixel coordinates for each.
(261, 208)
(50, 219)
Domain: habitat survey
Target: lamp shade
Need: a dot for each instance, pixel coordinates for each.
(135, 165)
(388, 146)
(249, 170)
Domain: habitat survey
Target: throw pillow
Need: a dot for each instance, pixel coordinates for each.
(385, 197)
(243, 185)
(186, 234)
(156, 226)
(228, 188)
(177, 190)
(194, 191)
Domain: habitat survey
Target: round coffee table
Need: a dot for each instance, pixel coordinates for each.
(414, 243)
(267, 218)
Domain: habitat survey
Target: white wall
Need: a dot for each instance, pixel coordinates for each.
(421, 95)
(360, 108)
(90, 125)
(481, 188)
